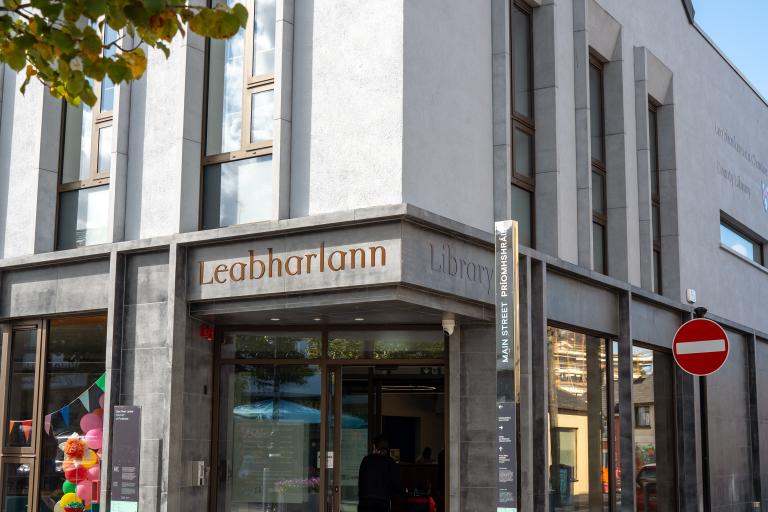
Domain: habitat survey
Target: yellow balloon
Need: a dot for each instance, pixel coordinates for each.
(68, 498)
(90, 459)
(57, 508)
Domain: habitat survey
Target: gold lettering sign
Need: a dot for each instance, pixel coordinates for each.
(269, 265)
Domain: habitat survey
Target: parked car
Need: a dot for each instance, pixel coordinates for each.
(646, 488)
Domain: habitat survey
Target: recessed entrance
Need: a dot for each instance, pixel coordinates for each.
(297, 412)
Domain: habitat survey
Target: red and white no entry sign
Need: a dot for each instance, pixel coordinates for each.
(700, 346)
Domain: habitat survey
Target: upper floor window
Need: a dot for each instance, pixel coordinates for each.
(739, 241)
(653, 147)
(86, 161)
(597, 147)
(523, 128)
(237, 174)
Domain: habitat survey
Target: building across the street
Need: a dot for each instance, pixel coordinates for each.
(280, 246)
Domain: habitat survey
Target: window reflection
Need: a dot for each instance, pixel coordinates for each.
(238, 192)
(77, 144)
(21, 391)
(83, 217)
(652, 385)
(578, 422)
(264, 38)
(269, 431)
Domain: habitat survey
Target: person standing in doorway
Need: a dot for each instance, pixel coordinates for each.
(379, 479)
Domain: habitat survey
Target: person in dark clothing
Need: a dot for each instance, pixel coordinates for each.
(379, 479)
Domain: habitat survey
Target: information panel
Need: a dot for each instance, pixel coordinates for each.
(126, 447)
(506, 358)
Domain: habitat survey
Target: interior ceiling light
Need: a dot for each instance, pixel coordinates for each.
(317, 319)
(359, 319)
(275, 319)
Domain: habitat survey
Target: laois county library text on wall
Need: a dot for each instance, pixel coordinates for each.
(221, 282)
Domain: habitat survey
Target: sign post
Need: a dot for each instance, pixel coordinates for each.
(126, 447)
(700, 346)
(507, 364)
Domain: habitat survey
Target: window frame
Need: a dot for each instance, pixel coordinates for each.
(99, 121)
(251, 84)
(521, 122)
(758, 245)
(598, 166)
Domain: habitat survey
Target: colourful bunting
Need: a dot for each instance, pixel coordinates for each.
(85, 399)
(26, 427)
(102, 382)
(48, 424)
(64, 411)
(10, 426)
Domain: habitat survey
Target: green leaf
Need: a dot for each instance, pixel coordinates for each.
(75, 83)
(14, 57)
(94, 9)
(242, 14)
(61, 40)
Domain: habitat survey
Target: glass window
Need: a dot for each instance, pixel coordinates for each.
(269, 437)
(261, 115)
(237, 192)
(73, 401)
(522, 212)
(652, 387)
(523, 151)
(521, 61)
(656, 213)
(598, 192)
(249, 345)
(657, 271)
(264, 37)
(741, 243)
(83, 217)
(76, 165)
(225, 94)
(15, 491)
(596, 112)
(598, 247)
(21, 388)
(386, 345)
(105, 149)
(653, 145)
(578, 422)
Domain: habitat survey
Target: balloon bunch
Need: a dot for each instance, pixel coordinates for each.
(81, 464)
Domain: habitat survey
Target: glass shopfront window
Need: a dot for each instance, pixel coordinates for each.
(386, 345)
(579, 422)
(269, 438)
(52, 448)
(652, 382)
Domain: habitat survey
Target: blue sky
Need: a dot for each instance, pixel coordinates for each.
(739, 28)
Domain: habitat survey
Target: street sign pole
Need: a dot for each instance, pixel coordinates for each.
(507, 364)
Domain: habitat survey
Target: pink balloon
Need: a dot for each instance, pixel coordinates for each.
(93, 438)
(94, 473)
(85, 491)
(101, 401)
(90, 422)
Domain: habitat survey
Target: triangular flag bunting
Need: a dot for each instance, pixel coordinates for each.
(10, 426)
(26, 427)
(65, 414)
(48, 424)
(102, 382)
(86, 400)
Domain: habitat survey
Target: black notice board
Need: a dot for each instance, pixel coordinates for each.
(126, 449)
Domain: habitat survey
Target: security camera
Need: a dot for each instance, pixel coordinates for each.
(449, 323)
(699, 312)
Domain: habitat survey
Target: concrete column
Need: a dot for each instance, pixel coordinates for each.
(527, 427)
(454, 421)
(626, 404)
(281, 152)
(643, 171)
(582, 134)
(113, 358)
(688, 441)
(754, 417)
(119, 169)
(502, 110)
(539, 386)
(595, 403)
(478, 418)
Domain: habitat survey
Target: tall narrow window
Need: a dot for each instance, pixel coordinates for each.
(85, 167)
(523, 129)
(597, 145)
(653, 146)
(237, 174)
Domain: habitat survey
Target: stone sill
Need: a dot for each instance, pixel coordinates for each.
(744, 258)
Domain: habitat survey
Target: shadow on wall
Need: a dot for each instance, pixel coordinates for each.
(8, 85)
(301, 122)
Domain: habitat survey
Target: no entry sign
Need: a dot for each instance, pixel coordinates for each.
(700, 347)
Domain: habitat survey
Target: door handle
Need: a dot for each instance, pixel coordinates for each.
(336, 489)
